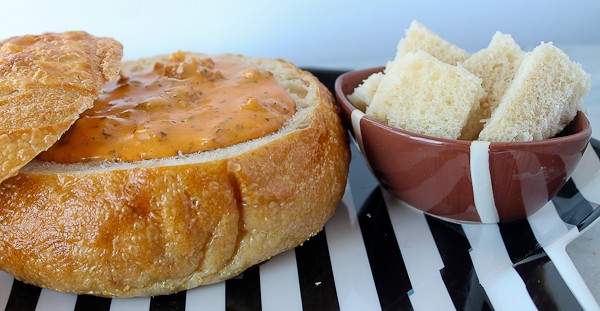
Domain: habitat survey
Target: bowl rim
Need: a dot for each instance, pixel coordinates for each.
(584, 134)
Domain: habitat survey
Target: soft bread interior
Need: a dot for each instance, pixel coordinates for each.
(420, 38)
(300, 87)
(544, 97)
(363, 94)
(496, 65)
(427, 96)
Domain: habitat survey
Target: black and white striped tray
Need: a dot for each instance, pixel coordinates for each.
(376, 253)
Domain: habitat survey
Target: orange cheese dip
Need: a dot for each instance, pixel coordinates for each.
(179, 107)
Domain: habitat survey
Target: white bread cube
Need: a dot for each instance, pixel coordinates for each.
(421, 38)
(417, 38)
(541, 100)
(496, 65)
(363, 94)
(424, 95)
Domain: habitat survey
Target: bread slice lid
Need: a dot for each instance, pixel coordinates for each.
(46, 81)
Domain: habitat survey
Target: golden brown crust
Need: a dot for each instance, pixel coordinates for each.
(151, 230)
(46, 81)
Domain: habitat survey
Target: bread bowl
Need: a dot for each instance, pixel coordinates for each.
(153, 226)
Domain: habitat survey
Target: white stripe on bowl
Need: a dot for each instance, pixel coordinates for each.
(503, 285)
(483, 194)
(356, 116)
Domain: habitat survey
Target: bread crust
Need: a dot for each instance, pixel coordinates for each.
(153, 228)
(46, 81)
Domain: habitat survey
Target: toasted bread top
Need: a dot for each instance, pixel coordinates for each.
(46, 81)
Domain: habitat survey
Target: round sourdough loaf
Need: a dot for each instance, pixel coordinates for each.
(160, 226)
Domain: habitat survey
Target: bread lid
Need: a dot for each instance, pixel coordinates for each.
(46, 81)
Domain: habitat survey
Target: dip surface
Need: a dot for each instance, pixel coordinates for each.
(178, 107)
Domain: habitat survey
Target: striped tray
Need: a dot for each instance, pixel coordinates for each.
(377, 253)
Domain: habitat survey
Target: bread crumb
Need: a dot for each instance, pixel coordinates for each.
(424, 95)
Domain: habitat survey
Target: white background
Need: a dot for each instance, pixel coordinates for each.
(330, 34)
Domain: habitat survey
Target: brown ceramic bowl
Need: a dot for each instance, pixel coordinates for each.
(463, 181)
